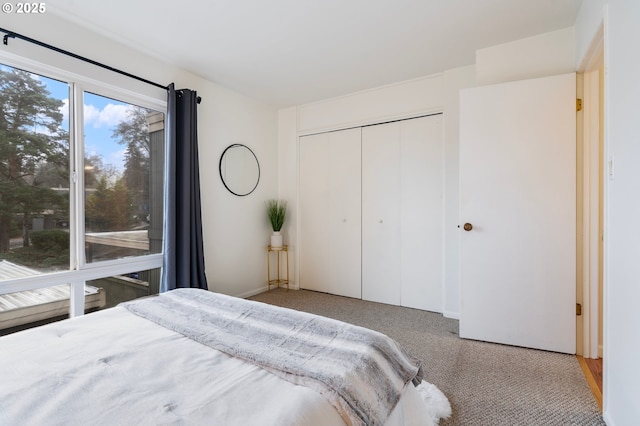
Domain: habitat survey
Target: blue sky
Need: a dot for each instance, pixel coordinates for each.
(101, 116)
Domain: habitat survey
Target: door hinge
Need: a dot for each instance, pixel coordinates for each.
(578, 309)
(578, 104)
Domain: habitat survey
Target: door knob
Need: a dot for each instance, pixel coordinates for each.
(468, 227)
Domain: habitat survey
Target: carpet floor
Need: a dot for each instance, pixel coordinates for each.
(486, 383)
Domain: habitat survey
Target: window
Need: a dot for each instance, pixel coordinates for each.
(81, 193)
(120, 288)
(123, 204)
(34, 173)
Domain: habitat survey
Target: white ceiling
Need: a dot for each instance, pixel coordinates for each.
(288, 52)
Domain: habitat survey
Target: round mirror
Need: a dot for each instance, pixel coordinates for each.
(239, 169)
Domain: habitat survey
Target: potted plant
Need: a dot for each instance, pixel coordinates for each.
(277, 212)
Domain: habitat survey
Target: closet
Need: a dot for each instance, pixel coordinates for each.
(371, 212)
(330, 212)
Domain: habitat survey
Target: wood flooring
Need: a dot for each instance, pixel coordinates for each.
(592, 369)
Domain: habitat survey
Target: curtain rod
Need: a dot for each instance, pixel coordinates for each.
(10, 34)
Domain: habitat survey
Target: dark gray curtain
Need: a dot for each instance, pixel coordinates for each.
(183, 254)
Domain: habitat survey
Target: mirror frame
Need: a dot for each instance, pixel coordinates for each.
(237, 145)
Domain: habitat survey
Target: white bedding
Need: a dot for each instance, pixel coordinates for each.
(113, 367)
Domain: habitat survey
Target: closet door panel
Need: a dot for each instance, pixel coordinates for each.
(422, 175)
(314, 210)
(345, 214)
(381, 199)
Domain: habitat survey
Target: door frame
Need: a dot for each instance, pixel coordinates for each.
(590, 203)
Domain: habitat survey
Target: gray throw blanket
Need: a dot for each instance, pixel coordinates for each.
(360, 371)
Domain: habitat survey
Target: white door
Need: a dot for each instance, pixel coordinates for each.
(518, 191)
(422, 205)
(330, 213)
(314, 209)
(402, 213)
(381, 197)
(345, 214)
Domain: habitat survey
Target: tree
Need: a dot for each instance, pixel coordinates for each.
(30, 134)
(95, 169)
(97, 207)
(121, 212)
(52, 175)
(134, 133)
(109, 208)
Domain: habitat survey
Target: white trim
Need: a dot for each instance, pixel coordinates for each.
(253, 292)
(119, 94)
(372, 121)
(591, 198)
(594, 206)
(299, 248)
(76, 213)
(101, 270)
(260, 290)
(600, 351)
(451, 314)
(605, 231)
(590, 209)
(76, 300)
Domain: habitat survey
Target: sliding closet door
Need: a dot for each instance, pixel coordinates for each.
(314, 210)
(381, 197)
(402, 213)
(422, 207)
(345, 275)
(371, 213)
(330, 213)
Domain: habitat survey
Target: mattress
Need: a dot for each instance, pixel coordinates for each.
(114, 367)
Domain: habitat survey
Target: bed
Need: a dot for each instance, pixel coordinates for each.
(196, 357)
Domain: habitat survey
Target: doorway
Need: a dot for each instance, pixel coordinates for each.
(591, 177)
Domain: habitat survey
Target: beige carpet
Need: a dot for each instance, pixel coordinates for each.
(487, 384)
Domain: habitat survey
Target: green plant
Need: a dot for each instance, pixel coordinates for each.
(277, 212)
(49, 250)
(50, 240)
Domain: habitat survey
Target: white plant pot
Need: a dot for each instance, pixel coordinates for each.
(276, 239)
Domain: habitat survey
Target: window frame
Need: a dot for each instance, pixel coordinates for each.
(79, 270)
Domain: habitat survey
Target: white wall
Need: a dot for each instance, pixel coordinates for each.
(400, 100)
(288, 184)
(622, 237)
(235, 229)
(538, 56)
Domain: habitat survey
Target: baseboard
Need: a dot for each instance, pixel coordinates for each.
(251, 292)
(261, 290)
(600, 352)
(451, 314)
